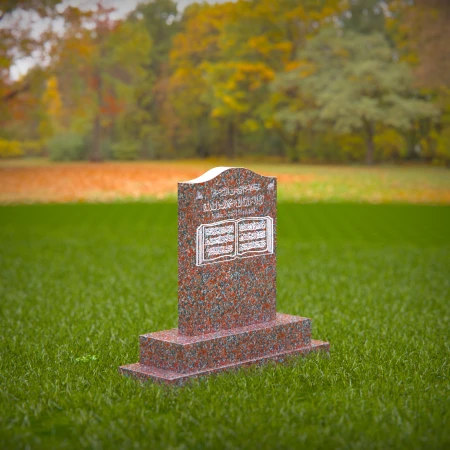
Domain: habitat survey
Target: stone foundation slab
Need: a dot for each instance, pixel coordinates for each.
(169, 350)
(170, 357)
(144, 373)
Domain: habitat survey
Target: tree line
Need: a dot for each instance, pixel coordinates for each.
(311, 81)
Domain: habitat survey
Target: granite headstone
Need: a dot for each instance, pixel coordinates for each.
(227, 222)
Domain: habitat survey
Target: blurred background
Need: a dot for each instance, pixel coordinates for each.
(288, 88)
(316, 81)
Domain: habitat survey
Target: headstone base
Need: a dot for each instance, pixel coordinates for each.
(168, 357)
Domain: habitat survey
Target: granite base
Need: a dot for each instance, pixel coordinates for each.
(172, 358)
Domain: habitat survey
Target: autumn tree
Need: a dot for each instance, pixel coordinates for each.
(100, 63)
(17, 96)
(309, 80)
(265, 37)
(194, 47)
(228, 55)
(154, 113)
(421, 31)
(16, 39)
(355, 84)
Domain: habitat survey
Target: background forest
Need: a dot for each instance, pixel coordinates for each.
(310, 81)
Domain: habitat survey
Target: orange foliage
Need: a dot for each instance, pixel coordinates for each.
(80, 182)
(112, 105)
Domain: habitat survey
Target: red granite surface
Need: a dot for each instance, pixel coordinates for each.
(143, 372)
(171, 351)
(226, 285)
(224, 294)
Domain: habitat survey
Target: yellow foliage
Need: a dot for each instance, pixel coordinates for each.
(305, 68)
(351, 144)
(249, 126)
(261, 44)
(218, 112)
(202, 32)
(15, 149)
(291, 65)
(52, 102)
(52, 97)
(270, 123)
(389, 143)
(443, 145)
(298, 13)
(285, 47)
(265, 47)
(234, 104)
(10, 149)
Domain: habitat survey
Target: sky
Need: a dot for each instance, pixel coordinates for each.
(123, 7)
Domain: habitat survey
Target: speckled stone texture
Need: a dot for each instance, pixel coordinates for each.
(225, 293)
(144, 373)
(169, 350)
(226, 284)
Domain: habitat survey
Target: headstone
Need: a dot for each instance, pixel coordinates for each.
(227, 221)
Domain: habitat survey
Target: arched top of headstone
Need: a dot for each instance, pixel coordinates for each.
(216, 171)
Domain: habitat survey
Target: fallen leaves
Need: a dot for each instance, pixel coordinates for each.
(84, 182)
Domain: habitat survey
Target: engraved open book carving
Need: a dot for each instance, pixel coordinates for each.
(231, 239)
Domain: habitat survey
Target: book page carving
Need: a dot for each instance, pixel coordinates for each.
(235, 238)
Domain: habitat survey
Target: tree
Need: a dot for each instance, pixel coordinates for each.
(100, 64)
(355, 84)
(233, 77)
(41, 7)
(51, 99)
(224, 60)
(268, 35)
(420, 29)
(19, 102)
(237, 90)
(422, 32)
(194, 47)
(17, 41)
(158, 17)
(156, 116)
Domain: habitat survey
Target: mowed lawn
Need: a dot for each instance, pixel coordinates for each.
(79, 283)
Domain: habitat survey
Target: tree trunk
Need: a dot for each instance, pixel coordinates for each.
(370, 146)
(96, 144)
(290, 142)
(96, 151)
(10, 95)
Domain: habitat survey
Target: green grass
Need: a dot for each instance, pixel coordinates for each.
(79, 283)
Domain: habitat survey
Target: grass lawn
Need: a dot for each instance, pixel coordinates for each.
(79, 283)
